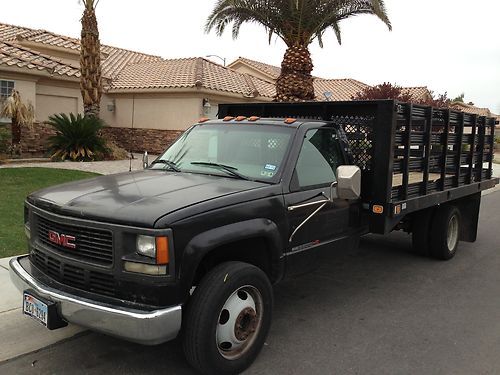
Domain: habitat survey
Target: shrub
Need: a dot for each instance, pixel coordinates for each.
(4, 140)
(116, 152)
(77, 138)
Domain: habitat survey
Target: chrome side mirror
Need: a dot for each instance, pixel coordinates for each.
(348, 182)
(145, 161)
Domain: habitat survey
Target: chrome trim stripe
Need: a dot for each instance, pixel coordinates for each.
(145, 327)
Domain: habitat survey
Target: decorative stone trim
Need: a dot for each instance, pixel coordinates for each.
(154, 141)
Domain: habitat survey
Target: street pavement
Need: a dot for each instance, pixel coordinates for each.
(378, 309)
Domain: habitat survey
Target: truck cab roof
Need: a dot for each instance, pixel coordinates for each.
(282, 121)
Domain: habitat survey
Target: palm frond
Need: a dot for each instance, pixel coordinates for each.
(296, 22)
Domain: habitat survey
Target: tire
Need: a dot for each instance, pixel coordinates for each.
(445, 232)
(227, 319)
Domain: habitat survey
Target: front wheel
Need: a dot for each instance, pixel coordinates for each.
(228, 318)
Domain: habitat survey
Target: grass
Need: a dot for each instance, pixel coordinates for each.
(16, 184)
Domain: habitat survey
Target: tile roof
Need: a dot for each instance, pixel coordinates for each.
(190, 73)
(340, 89)
(270, 70)
(14, 55)
(467, 108)
(114, 61)
(421, 92)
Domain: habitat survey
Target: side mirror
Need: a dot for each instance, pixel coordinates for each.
(348, 182)
(145, 161)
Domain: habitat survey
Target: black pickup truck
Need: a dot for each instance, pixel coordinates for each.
(194, 242)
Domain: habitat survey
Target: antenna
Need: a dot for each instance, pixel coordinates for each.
(131, 156)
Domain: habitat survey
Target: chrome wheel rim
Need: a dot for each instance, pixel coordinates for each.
(452, 233)
(239, 322)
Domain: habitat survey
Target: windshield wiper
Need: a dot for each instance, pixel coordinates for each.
(227, 168)
(169, 163)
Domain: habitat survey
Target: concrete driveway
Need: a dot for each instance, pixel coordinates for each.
(101, 167)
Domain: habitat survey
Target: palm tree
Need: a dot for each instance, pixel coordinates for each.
(298, 23)
(90, 60)
(19, 113)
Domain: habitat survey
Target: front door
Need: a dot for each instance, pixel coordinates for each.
(315, 170)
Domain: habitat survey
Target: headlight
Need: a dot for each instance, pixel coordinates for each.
(146, 245)
(153, 247)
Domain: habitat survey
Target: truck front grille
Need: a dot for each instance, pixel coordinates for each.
(93, 245)
(76, 277)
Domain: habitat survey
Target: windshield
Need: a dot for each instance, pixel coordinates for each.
(253, 152)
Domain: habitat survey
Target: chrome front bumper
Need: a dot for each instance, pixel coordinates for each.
(144, 327)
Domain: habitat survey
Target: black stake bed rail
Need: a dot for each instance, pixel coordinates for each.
(411, 156)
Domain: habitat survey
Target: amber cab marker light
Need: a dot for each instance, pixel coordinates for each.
(162, 250)
(228, 118)
(203, 119)
(253, 118)
(290, 120)
(240, 118)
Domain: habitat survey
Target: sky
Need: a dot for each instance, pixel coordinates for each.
(449, 46)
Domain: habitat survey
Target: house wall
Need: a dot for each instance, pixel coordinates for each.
(151, 111)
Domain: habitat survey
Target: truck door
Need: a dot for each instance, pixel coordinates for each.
(328, 228)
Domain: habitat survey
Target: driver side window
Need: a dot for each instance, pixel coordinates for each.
(319, 158)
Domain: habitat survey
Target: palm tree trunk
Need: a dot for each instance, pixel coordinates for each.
(16, 131)
(295, 82)
(90, 62)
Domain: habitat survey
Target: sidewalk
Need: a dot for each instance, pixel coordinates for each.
(20, 334)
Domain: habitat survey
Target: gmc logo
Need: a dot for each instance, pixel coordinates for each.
(64, 240)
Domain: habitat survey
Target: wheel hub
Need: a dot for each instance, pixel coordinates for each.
(246, 323)
(239, 322)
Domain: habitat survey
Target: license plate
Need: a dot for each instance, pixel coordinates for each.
(35, 309)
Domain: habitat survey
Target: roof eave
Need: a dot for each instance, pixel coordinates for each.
(182, 90)
(39, 73)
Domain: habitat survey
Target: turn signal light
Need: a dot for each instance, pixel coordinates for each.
(162, 255)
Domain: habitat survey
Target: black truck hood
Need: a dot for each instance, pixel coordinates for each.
(136, 198)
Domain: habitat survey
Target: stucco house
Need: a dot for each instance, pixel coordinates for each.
(147, 100)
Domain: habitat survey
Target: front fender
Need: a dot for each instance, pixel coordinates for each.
(205, 242)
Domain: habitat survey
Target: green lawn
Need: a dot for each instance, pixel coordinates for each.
(15, 185)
